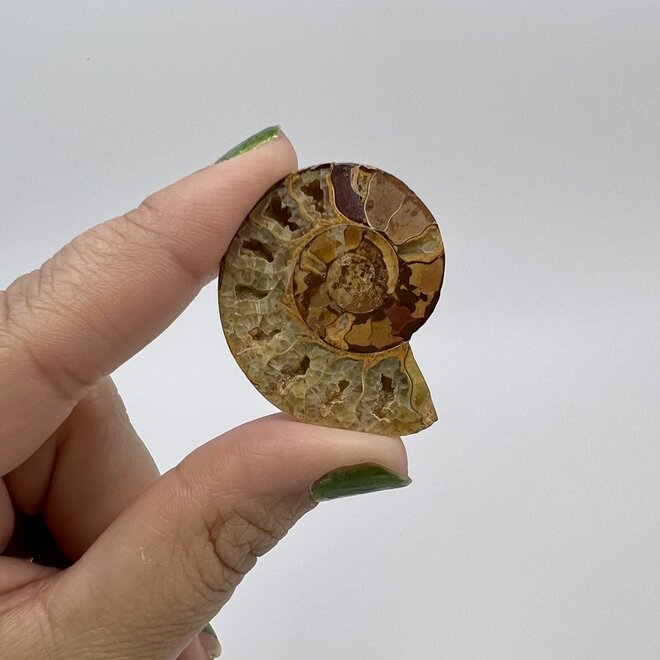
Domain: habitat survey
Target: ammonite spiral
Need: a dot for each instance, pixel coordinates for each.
(322, 287)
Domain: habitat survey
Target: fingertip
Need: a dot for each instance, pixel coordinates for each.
(272, 146)
(279, 454)
(288, 150)
(209, 640)
(197, 217)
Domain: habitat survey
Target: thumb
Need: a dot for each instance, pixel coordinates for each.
(169, 562)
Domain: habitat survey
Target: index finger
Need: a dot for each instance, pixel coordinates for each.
(113, 289)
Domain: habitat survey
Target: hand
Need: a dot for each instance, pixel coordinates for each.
(127, 563)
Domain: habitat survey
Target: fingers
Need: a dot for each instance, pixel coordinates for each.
(93, 467)
(169, 562)
(114, 288)
(16, 573)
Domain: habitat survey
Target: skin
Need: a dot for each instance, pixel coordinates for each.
(148, 559)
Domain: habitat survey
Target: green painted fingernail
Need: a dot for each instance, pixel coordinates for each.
(355, 480)
(210, 642)
(256, 140)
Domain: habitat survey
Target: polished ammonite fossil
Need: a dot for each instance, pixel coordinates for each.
(320, 290)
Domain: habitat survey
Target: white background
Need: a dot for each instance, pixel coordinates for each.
(532, 130)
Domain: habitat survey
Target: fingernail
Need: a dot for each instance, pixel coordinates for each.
(209, 641)
(256, 140)
(355, 480)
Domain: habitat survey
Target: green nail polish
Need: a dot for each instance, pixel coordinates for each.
(355, 480)
(256, 140)
(212, 646)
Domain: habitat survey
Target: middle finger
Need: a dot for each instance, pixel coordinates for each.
(96, 468)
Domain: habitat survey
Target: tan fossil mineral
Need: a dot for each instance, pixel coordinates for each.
(322, 287)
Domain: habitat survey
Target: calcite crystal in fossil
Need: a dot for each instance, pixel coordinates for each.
(320, 291)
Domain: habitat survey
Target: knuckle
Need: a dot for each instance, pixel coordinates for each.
(146, 221)
(228, 540)
(140, 225)
(230, 545)
(242, 534)
(112, 245)
(16, 305)
(30, 628)
(41, 299)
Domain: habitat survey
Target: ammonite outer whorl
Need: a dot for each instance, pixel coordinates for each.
(322, 287)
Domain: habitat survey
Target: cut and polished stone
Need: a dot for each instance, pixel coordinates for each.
(320, 291)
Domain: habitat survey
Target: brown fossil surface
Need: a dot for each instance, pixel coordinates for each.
(321, 289)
